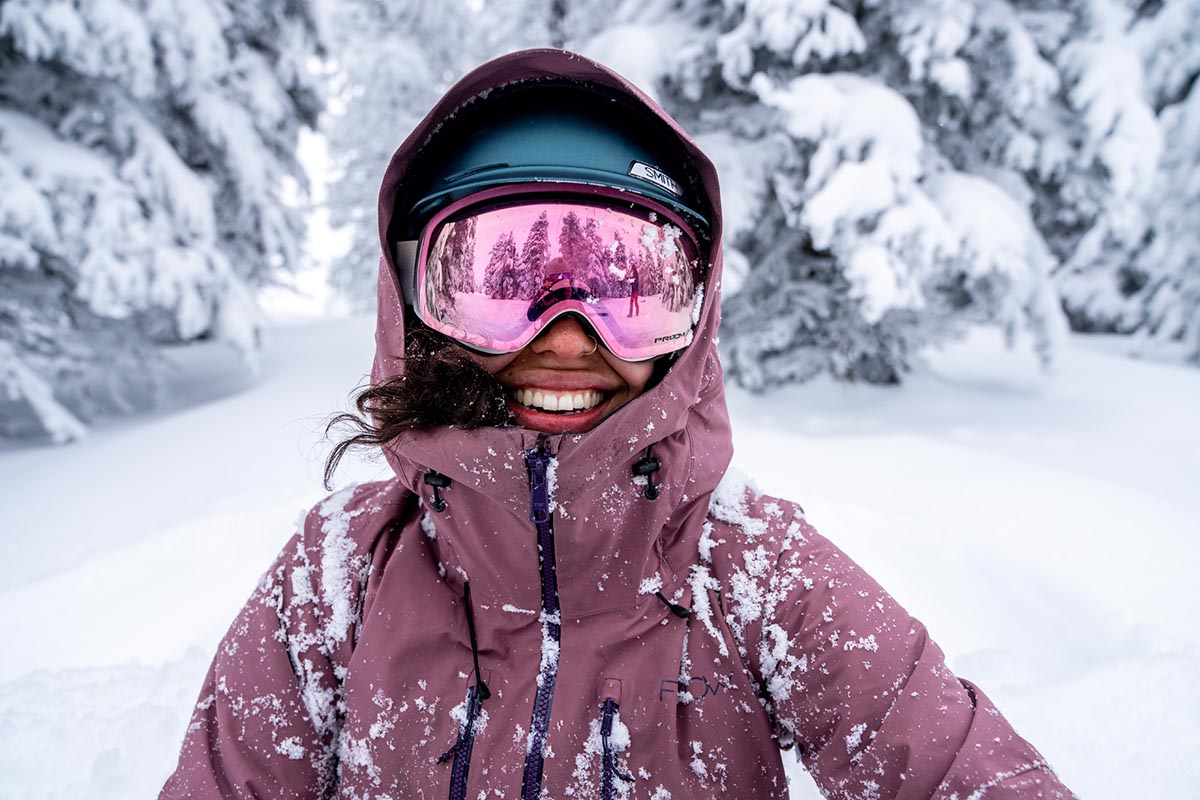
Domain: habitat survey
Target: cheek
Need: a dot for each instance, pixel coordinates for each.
(635, 374)
(491, 364)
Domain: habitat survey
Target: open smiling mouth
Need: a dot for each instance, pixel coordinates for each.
(552, 402)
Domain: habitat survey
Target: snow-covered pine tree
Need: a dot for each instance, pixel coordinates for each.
(618, 267)
(871, 153)
(597, 276)
(1166, 274)
(500, 278)
(649, 277)
(895, 170)
(1092, 197)
(535, 252)
(448, 257)
(573, 245)
(146, 147)
(678, 278)
(462, 248)
(390, 63)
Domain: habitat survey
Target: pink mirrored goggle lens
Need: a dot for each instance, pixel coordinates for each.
(497, 268)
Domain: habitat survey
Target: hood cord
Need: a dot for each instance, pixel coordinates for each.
(676, 609)
(484, 691)
(438, 481)
(646, 468)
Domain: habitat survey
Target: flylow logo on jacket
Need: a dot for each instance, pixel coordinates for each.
(698, 686)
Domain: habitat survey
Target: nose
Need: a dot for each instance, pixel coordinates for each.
(568, 337)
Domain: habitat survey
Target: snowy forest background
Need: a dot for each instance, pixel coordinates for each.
(894, 170)
(923, 198)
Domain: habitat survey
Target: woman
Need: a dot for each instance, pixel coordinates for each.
(563, 593)
(634, 286)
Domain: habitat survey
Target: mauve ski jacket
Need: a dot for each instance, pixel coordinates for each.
(640, 633)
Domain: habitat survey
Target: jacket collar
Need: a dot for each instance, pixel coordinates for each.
(610, 538)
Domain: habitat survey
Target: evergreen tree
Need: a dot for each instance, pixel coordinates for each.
(1165, 279)
(679, 283)
(619, 267)
(596, 276)
(871, 151)
(146, 150)
(501, 279)
(1141, 273)
(451, 263)
(1168, 269)
(648, 273)
(391, 62)
(868, 150)
(573, 245)
(462, 251)
(1095, 212)
(534, 255)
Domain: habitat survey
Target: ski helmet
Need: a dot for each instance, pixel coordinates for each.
(550, 131)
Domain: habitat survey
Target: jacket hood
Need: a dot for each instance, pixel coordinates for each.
(694, 378)
(683, 417)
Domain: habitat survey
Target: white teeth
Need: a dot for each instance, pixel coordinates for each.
(555, 401)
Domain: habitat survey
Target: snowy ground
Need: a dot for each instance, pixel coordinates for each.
(1045, 530)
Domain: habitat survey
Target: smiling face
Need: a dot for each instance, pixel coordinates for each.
(564, 381)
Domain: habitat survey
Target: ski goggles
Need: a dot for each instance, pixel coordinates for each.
(494, 269)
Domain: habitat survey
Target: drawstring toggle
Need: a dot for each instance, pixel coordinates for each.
(438, 481)
(676, 609)
(646, 468)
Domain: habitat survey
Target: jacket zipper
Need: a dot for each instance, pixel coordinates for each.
(463, 746)
(608, 756)
(476, 694)
(538, 463)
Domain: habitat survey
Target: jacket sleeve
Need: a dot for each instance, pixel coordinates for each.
(858, 686)
(267, 721)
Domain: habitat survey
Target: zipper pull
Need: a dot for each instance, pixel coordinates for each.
(608, 756)
(537, 461)
(606, 720)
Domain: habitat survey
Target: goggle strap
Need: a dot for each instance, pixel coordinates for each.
(406, 269)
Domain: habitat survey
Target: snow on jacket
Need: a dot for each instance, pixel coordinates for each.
(639, 635)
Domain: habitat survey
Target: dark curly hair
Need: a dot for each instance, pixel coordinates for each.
(441, 386)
